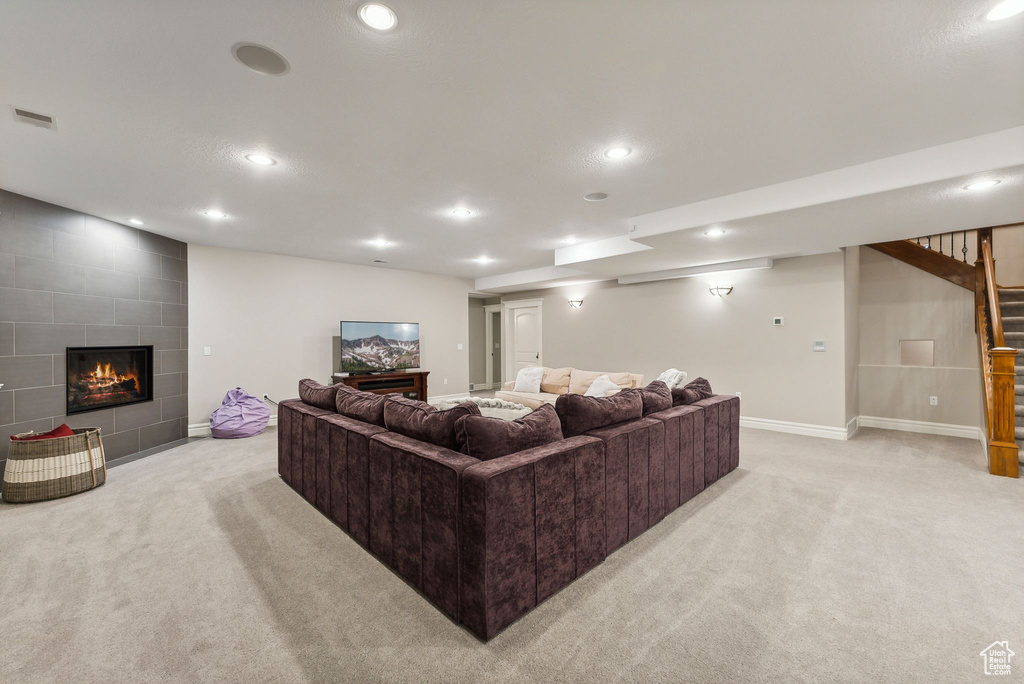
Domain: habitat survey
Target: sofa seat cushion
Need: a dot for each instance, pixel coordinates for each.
(486, 438)
(579, 414)
(655, 397)
(532, 400)
(555, 380)
(420, 420)
(580, 380)
(692, 392)
(313, 393)
(365, 406)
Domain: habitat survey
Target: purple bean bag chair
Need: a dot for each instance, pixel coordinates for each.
(239, 415)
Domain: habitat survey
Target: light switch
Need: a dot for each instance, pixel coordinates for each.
(818, 345)
(460, 346)
(206, 351)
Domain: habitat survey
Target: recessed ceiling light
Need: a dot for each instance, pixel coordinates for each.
(136, 222)
(261, 159)
(380, 242)
(260, 59)
(596, 196)
(983, 184)
(1005, 10)
(215, 214)
(571, 240)
(483, 260)
(617, 152)
(378, 16)
(461, 213)
(715, 232)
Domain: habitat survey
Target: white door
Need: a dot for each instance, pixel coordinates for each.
(524, 336)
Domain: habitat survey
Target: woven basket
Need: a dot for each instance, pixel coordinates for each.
(43, 469)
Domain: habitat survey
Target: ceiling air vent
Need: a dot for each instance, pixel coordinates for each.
(35, 119)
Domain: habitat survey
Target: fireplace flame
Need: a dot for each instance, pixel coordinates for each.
(105, 375)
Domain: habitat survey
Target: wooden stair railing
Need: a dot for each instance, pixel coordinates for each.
(931, 261)
(997, 365)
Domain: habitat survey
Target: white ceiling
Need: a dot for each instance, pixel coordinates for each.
(506, 108)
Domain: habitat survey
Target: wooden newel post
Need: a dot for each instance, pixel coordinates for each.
(1002, 449)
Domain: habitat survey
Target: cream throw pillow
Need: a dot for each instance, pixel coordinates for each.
(601, 387)
(528, 379)
(673, 377)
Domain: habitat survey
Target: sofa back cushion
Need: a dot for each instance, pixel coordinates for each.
(420, 420)
(313, 393)
(691, 393)
(579, 414)
(555, 380)
(655, 397)
(364, 406)
(580, 380)
(486, 438)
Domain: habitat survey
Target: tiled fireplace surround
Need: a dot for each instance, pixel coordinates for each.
(68, 279)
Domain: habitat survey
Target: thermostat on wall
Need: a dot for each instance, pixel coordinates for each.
(778, 320)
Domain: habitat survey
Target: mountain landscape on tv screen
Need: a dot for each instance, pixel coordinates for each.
(378, 353)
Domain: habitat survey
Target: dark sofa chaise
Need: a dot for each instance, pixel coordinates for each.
(486, 541)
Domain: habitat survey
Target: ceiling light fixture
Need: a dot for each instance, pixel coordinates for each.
(136, 222)
(461, 213)
(215, 214)
(571, 240)
(1005, 10)
(575, 303)
(596, 196)
(617, 152)
(483, 260)
(983, 184)
(380, 242)
(378, 16)
(715, 232)
(720, 290)
(261, 159)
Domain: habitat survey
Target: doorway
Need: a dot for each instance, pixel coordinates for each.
(523, 336)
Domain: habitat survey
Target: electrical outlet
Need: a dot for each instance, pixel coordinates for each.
(459, 346)
(934, 401)
(266, 397)
(206, 351)
(446, 381)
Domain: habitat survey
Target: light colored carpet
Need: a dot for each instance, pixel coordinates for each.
(890, 558)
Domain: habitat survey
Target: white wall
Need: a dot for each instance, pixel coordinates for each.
(731, 341)
(898, 301)
(269, 321)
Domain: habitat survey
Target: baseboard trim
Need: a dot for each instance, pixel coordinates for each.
(921, 427)
(203, 429)
(805, 429)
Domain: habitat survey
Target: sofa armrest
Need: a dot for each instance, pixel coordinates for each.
(509, 385)
(414, 505)
(530, 523)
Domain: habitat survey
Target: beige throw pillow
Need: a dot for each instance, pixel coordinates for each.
(555, 380)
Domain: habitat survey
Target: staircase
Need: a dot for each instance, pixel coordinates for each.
(1011, 304)
(999, 322)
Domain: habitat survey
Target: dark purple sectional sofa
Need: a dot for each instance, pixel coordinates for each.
(486, 541)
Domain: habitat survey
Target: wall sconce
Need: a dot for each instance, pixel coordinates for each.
(575, 303)
(720, 290)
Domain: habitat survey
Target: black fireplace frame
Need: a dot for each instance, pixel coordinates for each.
(147, 349)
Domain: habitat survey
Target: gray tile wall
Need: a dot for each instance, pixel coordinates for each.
(68, 279)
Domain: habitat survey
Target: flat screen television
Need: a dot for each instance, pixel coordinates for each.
(369, 347)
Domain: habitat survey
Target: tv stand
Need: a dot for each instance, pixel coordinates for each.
(409, 384)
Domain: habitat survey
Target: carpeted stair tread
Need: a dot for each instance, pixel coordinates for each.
(1013, 323)
(1011, 295)
(1018, 390)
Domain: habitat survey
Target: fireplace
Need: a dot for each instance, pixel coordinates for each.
(101, 377)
